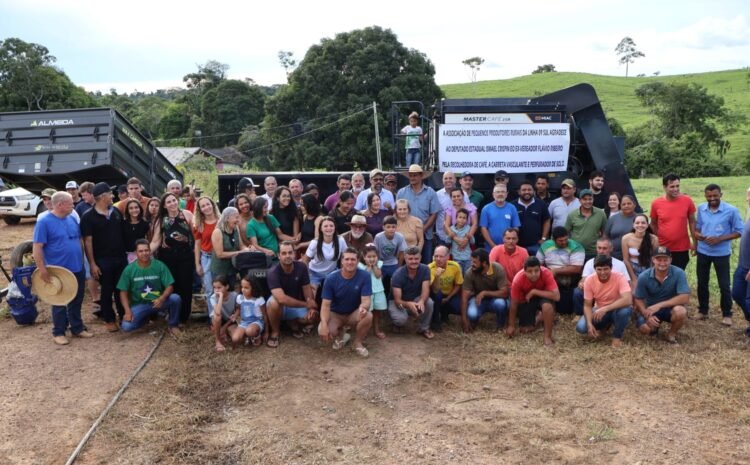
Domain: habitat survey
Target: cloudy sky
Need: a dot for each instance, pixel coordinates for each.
(146, 45)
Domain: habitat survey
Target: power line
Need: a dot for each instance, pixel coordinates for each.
(215, 136)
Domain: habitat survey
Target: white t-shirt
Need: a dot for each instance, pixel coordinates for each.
(617, 265)
(328, 264)
(412, 137)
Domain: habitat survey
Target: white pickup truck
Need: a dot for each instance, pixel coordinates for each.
(19, 203)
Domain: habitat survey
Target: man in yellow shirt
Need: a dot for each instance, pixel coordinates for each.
(445, 286)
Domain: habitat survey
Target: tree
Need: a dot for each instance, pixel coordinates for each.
(321, 118)
(544, 69)
(228, 108)
(474, 63)
(629, 53)
(287, 61)
(29, 80)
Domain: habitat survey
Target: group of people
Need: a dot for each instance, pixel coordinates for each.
(341, 264)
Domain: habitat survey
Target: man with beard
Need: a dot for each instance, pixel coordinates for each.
(671, 217)
(603, 247)
(410, 291)
(596, 186)
(485, 290)
(295, 186)
(541, 186)
(344, 183)
(357, 237)
(534, 216)
(387, 201)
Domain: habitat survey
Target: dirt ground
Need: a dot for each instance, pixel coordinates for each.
(479, 398)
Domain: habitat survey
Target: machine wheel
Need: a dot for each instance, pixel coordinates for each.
(12, 220)
(16, 256)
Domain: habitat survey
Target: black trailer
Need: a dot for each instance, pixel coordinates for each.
(41, 149)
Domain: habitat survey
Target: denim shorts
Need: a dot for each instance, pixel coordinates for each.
(317, 278)
(378, 301)
(290, 313)
(252, 321)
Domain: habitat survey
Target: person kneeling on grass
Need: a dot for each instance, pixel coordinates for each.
(146, 287)
(485, 289)
(532, 296)
(222, 303)
(410, 289)
(611, 293)
(661, 295)
(346, 302)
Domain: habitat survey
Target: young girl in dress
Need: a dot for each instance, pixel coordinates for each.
(378, 304)
(250, 312)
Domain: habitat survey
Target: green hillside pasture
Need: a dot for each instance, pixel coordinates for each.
(617, 94)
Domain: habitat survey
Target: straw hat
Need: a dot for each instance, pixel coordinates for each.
(61, 289)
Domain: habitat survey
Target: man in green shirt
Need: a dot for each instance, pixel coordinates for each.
(586, 224)
(146, 289)
(467, 185)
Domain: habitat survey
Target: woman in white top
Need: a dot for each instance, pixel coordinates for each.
(324, 252)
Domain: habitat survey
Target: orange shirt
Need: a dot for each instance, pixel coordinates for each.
(513, 263)
(205, 236)
(671, 217)
(605, 293)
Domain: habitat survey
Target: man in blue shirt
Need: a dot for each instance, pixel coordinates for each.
(717, 225)
(661, 295)
(498, 216)
(57, 241)
(424, 204)
(410, 289)
(346, 302)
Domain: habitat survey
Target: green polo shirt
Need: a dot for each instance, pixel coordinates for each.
(585, 230)
(494, 280)
(477, 199)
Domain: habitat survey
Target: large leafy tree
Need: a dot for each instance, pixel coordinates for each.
(29, 80)
(311, 122)
(228, 108)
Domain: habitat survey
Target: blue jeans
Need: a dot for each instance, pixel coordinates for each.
(703, 272)
(427, 250)
(142, 313)
(64, 315)
(532, 249)
(443, 308)
(741, 291)
(578, 301)
(413, 157)
(620, 318)
(498, 306)
(207, 279)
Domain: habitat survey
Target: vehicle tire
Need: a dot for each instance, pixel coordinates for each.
(12, 220)
(16, 256)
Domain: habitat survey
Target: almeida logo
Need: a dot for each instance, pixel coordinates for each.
(52, 122)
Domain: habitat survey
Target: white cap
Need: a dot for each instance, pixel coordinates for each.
(71, 185)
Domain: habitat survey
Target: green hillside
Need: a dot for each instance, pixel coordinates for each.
(617, 94)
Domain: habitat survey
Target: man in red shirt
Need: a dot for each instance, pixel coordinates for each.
(533, 290)
(508, 254)
(671, 216)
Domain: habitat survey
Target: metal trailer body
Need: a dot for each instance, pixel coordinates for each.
(41, 149)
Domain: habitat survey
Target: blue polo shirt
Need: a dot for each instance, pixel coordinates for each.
(725, 220)
(423, 204)
(652, 291)
(411, 289)
(497, 219)
(346, 294)
(532, 221)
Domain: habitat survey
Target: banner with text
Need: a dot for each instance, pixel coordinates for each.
(515, 148)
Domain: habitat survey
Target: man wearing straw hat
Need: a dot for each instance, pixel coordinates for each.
(57, 242)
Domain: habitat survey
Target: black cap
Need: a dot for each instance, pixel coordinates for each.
(662, 251)
(102, 188)
(122, 189)
(501, 174)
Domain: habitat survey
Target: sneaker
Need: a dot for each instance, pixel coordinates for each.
(341, 343)
(61, 340)
(84, 334)
(727, 321)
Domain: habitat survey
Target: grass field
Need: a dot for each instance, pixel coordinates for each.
(617, 94)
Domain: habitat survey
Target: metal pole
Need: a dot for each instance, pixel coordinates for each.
(377, 134)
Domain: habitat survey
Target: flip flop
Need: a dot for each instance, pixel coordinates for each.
(427, 334)
(255, 341)
(273, 342)
(361, 351)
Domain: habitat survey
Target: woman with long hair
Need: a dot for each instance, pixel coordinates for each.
(263, 230)
(613, 203)
(285, 211)
(226, 243)
(205, 217)
(245, 208)
(373, 214)
(638, 246)
(343, 212)
(312, 215)
(620, 224)
(173, 240)
(408, 225)
(323, 254)
(151, 215)
(457, 203)
(134, 227)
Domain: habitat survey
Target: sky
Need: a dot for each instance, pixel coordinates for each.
(148, 45)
